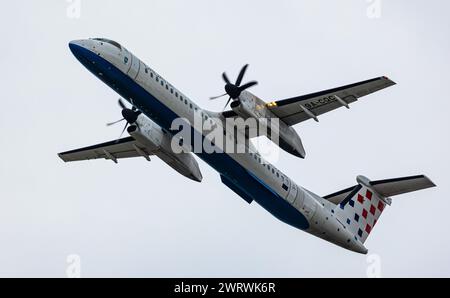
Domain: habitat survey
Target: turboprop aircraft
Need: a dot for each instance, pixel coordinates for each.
(345, 218)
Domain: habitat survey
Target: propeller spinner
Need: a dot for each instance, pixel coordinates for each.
(129, 115)
(235, 90)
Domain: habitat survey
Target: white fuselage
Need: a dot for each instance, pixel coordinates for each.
(273, 190)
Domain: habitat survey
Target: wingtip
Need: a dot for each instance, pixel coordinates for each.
(432, 184)
(388, 79)
(61, 156)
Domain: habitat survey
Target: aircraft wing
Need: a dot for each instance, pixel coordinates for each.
(298, 109)
(123, 148)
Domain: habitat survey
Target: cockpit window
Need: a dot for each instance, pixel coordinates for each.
(111, 42)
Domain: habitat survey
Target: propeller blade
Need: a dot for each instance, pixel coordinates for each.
(123, 131)
(121, 104)
(241, 75)
(217, 97)
(225, 78)
(118, 121)
(248, 85)
(234, 90)
(228, 102)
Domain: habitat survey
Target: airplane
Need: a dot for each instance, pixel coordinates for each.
(345, 218)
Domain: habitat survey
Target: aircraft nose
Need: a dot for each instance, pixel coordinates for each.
(74, 43)
(75, 46)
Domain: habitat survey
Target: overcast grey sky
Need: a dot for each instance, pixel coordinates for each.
(143, 219)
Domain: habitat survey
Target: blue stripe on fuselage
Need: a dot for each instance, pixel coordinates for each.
(163, 116)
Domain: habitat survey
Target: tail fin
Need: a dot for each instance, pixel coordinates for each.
(360, 207)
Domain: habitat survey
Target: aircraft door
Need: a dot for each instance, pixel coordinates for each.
(135, 65)
(292, 196)
(126, 59)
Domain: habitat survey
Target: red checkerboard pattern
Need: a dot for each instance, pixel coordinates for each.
(364, 214)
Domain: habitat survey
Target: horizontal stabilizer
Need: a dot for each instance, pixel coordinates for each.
(394, 187)
(387, 188)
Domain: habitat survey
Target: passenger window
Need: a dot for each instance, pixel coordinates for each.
(157, 79)
(167, 87)
(125, 60)
(185, 102)
(190, 106)
(151, 74)
(146, 70)
(176, 94)
(162, 83)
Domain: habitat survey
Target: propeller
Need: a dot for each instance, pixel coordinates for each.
(129, 115)
(235, 90)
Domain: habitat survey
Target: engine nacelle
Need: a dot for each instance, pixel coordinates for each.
(158, 142)
(148, 134)
(285, 136)
(243, 110)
